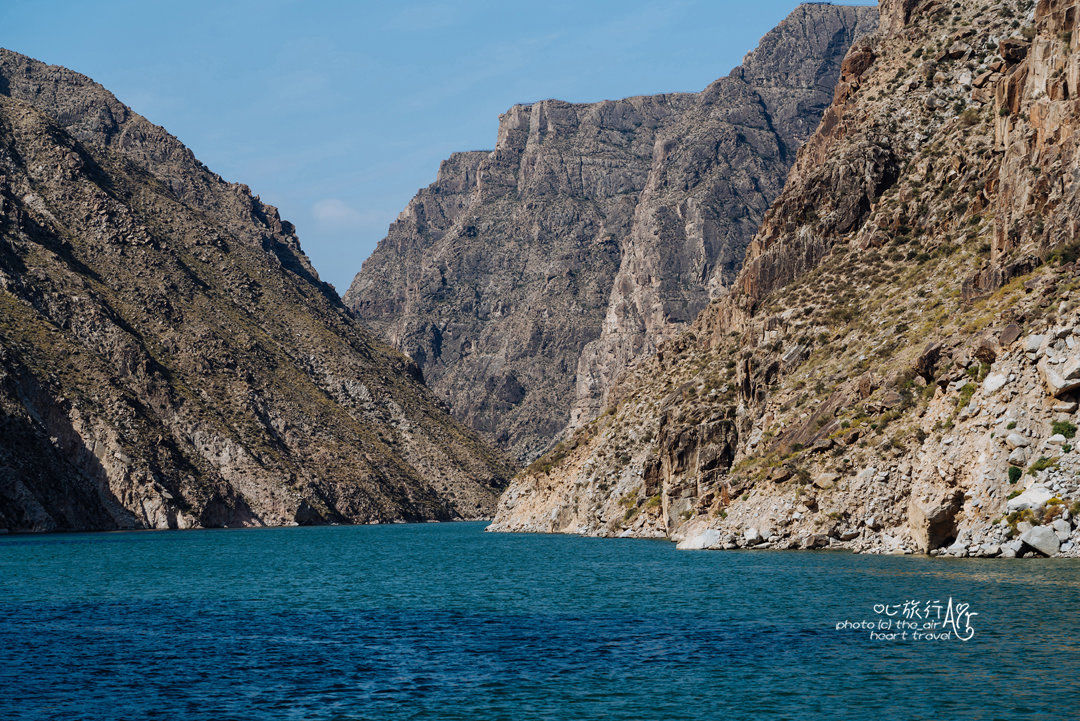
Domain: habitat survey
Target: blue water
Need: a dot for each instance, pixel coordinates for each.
(444, 621)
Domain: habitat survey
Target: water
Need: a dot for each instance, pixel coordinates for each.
(445, 621)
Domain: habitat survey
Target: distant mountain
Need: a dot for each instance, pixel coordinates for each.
(527, 278)
(170, 359)
(896, 368)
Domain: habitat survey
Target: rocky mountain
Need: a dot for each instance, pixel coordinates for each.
(170, 359)
(897, 366)
(525, 279)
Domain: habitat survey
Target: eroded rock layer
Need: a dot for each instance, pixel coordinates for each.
(525, 279)
(170, 359)
(897, 366)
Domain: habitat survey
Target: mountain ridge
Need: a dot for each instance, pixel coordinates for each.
(522, 281)
(170, 358)
(895, 370)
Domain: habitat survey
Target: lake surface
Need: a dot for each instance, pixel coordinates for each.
(444, 621)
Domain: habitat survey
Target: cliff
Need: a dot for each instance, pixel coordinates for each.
(170, 359)
(895, 368)
(526, 279)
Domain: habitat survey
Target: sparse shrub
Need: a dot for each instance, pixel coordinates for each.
(1042, 464)
(965, 395)
(1065, 428)
(1066, 254)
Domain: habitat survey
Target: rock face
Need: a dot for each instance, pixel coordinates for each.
(525, 279)
(890, 371)
(168, 356)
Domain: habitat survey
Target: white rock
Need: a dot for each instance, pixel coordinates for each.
(1063, 529)
(1015, 440)
(1057, 439)
(994, 382)
(826, 480)
(1055, 380)
(1018, 457)
(1070, 369)
(1034, 497)
(709, 538)
(1033, 342)
(959, 548)
(752, 535)
(1042, 539)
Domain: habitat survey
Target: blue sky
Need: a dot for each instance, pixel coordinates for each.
(337, 112)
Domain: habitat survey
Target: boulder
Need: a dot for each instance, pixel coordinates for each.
(985, 350)
(932, 517)
(1032, 498)
(752, 536)
(709, 538)
(1018, 457)
(994, 382)
(1057, 384)
(959, 548)
(1042, 539)
(826, 480)
(781, 474)
(926, 364)
(1009, 333)
(1010, 549)
(1063, 529)
(1033, 343)
(1070, 369)
(1057, 439)
(1015, 440)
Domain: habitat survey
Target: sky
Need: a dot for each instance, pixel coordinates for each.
(338, 112)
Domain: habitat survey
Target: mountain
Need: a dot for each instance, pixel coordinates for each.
(169, 357)
(896, 367)
(525, 279)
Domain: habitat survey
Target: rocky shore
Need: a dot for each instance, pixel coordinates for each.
(896, 368)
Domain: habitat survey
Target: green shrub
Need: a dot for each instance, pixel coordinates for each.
(965, 395)
(1065, 428)
(1065, 254)
(1012, 424)
(1042, 464)
(1014, 474)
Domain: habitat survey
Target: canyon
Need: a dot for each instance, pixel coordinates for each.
(525, 279)
(894, 370)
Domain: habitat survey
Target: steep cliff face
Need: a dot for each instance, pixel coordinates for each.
(168, 356)
(524, 280)
(895, 368)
